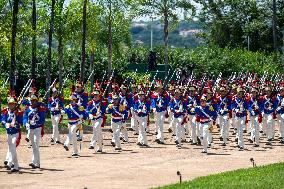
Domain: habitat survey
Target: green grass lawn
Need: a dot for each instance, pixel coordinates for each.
(270, 177)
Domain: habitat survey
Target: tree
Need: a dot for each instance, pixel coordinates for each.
(242, 23)
(13, 44)
(167, 11)
(33, 40)
(48, 63)
(84, 30)
(116, 16)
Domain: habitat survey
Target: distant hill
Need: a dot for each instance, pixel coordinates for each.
(183, 36)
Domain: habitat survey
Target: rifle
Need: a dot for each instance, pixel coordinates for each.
(49, 89)
(63, 84)
(3, 86)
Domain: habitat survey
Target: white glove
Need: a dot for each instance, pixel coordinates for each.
(62, 112)
(52, 109)
(279, 108)
(222, 111)
(7, 125)
(192, 110)
(154, 110)
(80, 116)
(91, 117)
(27, 126)
(252, 113)
(56, 108)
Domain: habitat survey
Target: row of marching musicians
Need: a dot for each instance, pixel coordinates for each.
(190, 111)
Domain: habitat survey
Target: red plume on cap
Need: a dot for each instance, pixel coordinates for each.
(33, 85)
(73, 88)
(208, 83)
(97, 85)
(240, 83)
(11, 93)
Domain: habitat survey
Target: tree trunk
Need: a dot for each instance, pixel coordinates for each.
(48, 63)
(33, 41)
(92, 58)
(110, 40)
(274, 26)
(84, 30)
(60, 61)
(60, 49)
(166, 35)
(13, 49)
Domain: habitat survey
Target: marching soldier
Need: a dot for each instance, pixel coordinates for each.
(126, 101)
(159, 103)
(192, 103)
(97, 107)
(240, 108)
(55, 105)
(255, 107)
(76, 114)
(33, 120)
(270, 105)
(280, 111)
(119, 115)
(224, 107)
(206, 115)
(134, 98)
(177, 107)
(83, 100)
(142, 110)
(12, 118)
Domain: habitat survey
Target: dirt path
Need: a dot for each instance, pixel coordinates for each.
(134, 167)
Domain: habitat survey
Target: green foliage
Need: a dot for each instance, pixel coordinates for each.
(213, 60)
(264, 177)
(229, 23)
(136, 77)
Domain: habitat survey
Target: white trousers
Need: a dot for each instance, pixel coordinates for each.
(35, 135)
(12, 153)
(254, 125)
(177, 123)
(240, 124)
(224, 126)
(160, 119)
(116, 132)
(205, 135)
(55, 132)
(193, 129)
(123, 132)
(97, 137)
(134, 121)
(142, 138)
(72, 137)
(269, 124)
(281, 125)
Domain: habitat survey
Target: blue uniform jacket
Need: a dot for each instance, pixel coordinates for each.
(224, 105)
(94, 106)
(117, 116)
(240, 106)
(7, 118)
(142, 108)
(159, 102)
(53, 103)
(75, 113)
(270, 104)
(178, 107)
(206, 114)
(34, 116)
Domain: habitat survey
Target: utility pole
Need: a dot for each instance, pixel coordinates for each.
(274, 25)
